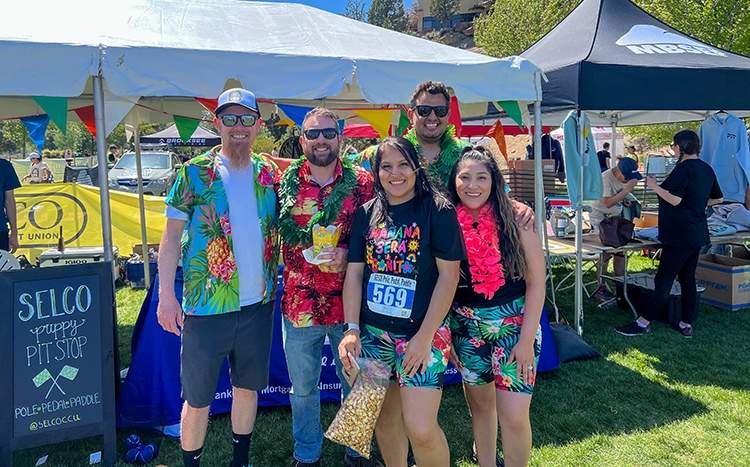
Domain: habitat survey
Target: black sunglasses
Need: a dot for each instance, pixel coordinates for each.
(425, 110)
(231, 120)
(328, 133)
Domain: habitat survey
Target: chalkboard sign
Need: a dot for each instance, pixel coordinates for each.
(61, 375)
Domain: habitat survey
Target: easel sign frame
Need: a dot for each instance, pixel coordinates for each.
(58, 380)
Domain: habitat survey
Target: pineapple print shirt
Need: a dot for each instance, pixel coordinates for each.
(208, 260)
(313, 294)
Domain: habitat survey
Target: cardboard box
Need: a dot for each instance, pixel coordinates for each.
(646, 221)
(726, 279)
(138, 249)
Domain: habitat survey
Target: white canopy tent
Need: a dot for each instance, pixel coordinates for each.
(144, 61)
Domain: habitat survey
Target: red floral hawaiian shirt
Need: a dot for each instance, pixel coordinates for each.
(313, 294)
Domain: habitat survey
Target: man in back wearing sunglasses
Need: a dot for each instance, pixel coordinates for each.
(320, 188)
(223, 205)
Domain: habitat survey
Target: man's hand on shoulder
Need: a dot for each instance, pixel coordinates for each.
(524, 216)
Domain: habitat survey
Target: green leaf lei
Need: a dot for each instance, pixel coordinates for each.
(440, 170)
(294, 234)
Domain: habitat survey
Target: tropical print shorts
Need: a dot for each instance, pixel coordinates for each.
(483, 339)
(390, 348)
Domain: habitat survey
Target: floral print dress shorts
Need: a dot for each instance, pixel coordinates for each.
(483, 339)
(390, 348)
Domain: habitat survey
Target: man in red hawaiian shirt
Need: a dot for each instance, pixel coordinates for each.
(326, 190)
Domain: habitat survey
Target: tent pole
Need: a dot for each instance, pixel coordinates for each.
(578, 326)
(538, 175)
(614, 142)
(101, 149)
(141, 206)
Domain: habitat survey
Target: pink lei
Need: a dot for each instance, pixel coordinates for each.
(483, 247)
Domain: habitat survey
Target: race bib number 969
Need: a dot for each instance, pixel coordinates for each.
(391, 295)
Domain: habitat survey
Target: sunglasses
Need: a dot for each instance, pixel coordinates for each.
(328, 133)
(231, 120)
(425, 110)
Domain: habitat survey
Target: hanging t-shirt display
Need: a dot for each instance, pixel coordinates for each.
(400, 268)
(724, 147)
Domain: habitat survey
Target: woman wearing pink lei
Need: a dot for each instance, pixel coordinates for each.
(496, 310)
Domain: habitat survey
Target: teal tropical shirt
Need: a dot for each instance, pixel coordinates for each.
(211, 284)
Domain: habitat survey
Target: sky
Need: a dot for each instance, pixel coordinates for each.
(334, 6)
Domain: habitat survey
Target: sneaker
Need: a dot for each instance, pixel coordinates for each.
(609, 304)
(410, 461)
(633, 329)
(361, 461)
(296, 463)
(499, 462)
(602, 294)
(686, 332)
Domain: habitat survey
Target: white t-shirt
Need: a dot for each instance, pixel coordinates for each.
(611, 186)
(38, 174)
(246, 234)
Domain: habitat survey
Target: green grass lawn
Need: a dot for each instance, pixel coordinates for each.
(659, 400)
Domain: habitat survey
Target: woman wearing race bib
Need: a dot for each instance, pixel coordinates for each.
(404, 257)
(496, 311)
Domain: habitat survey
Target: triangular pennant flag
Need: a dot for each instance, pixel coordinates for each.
(37, 127)
(497, 133)
(341, 126)
(295, 113)
(518, 113)
(56, 108)
(129, 131)
(379, 119)
(209, 104)
(86, 114)
(186, 127)
(455, 116)
(403, 123)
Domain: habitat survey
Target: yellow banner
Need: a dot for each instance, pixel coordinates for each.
(379, 119)
(43, 208)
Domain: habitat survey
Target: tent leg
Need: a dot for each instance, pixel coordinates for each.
(142, 206)
(538, 175)
(578, 325)
(614, 143)
(101, 149)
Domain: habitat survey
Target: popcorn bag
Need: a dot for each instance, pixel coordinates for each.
(325, 237)
(354, 424)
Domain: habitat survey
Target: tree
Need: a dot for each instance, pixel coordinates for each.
(412, 18)
(389, 14)
(355, 9)
(444, 10)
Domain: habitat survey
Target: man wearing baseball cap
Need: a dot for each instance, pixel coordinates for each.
(39, 171)
(229, 286)
(618, 183)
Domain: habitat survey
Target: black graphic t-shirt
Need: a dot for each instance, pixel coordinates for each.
(400, 268)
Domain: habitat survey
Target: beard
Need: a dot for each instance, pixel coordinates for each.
(238, 155)
(322, 160)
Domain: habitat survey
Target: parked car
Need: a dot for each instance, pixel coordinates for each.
(159, 170)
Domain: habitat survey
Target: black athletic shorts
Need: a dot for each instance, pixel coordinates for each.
(244, 336)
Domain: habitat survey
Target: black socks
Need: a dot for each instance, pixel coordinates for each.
(192, 458)
(241, 449)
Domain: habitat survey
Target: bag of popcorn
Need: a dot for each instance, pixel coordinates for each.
(354, 424)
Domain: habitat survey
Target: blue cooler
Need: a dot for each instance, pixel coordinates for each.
(135, 275)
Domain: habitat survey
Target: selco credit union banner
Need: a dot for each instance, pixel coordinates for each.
(43, 208)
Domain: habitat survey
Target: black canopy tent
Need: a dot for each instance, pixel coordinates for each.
(200, 138)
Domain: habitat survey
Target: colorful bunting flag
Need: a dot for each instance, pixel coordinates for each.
(295, 113)
(37, 127)
(379, 119)
(403, 123)
(518, 113)
(454, 118)
(186, 126)
(209, 104)
(497, 133)
(341, 126)
(56, 108)
(86, 115)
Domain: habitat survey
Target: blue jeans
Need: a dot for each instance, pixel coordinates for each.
(304, 350)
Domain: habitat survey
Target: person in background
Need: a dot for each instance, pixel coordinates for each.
(275, 152)
(221, 215)
(8, 224)
(603, 156)
(407, 232)
(617, 182)
(683, 230)
(39, 171)
(631, 152)
(496, 311)
(113, 155)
